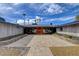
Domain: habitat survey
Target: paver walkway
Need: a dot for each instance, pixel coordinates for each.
(48, 41)
(39, 44)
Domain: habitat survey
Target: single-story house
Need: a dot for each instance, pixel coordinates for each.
(71, 29)
(10, 29)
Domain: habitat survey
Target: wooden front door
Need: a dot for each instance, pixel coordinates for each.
(39, 30)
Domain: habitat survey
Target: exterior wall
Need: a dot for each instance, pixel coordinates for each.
(9, 30)
(69, 30)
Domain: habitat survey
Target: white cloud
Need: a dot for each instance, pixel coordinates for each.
(66, 18)
(54, 8)
(9, 8)
(31, 21)
(27, 21)
(60, 19)
(48, 20)
(18, 12)
(6, 9)
(37, 17)
(21, 22)
(50, 9)
(15, 4)
(5, 6)
(47, 8)
(35, 6)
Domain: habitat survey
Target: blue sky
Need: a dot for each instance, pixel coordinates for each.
(56, 13)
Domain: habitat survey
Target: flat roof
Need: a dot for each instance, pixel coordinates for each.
(12, 24)
(39, 26)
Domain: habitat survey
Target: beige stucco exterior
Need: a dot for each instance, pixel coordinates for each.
(9, 30)
(72, 30)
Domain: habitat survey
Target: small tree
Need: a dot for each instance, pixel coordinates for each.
(77, 18)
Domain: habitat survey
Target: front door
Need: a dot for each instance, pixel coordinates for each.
(39, 30)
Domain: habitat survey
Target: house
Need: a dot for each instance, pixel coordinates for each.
(71, 29)
(10, 29)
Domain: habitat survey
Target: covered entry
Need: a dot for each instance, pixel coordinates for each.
(39, 30)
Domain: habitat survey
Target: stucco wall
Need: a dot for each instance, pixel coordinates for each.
(70, 30)
(9, 30)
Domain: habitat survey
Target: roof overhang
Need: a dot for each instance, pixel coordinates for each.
(39, 26)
